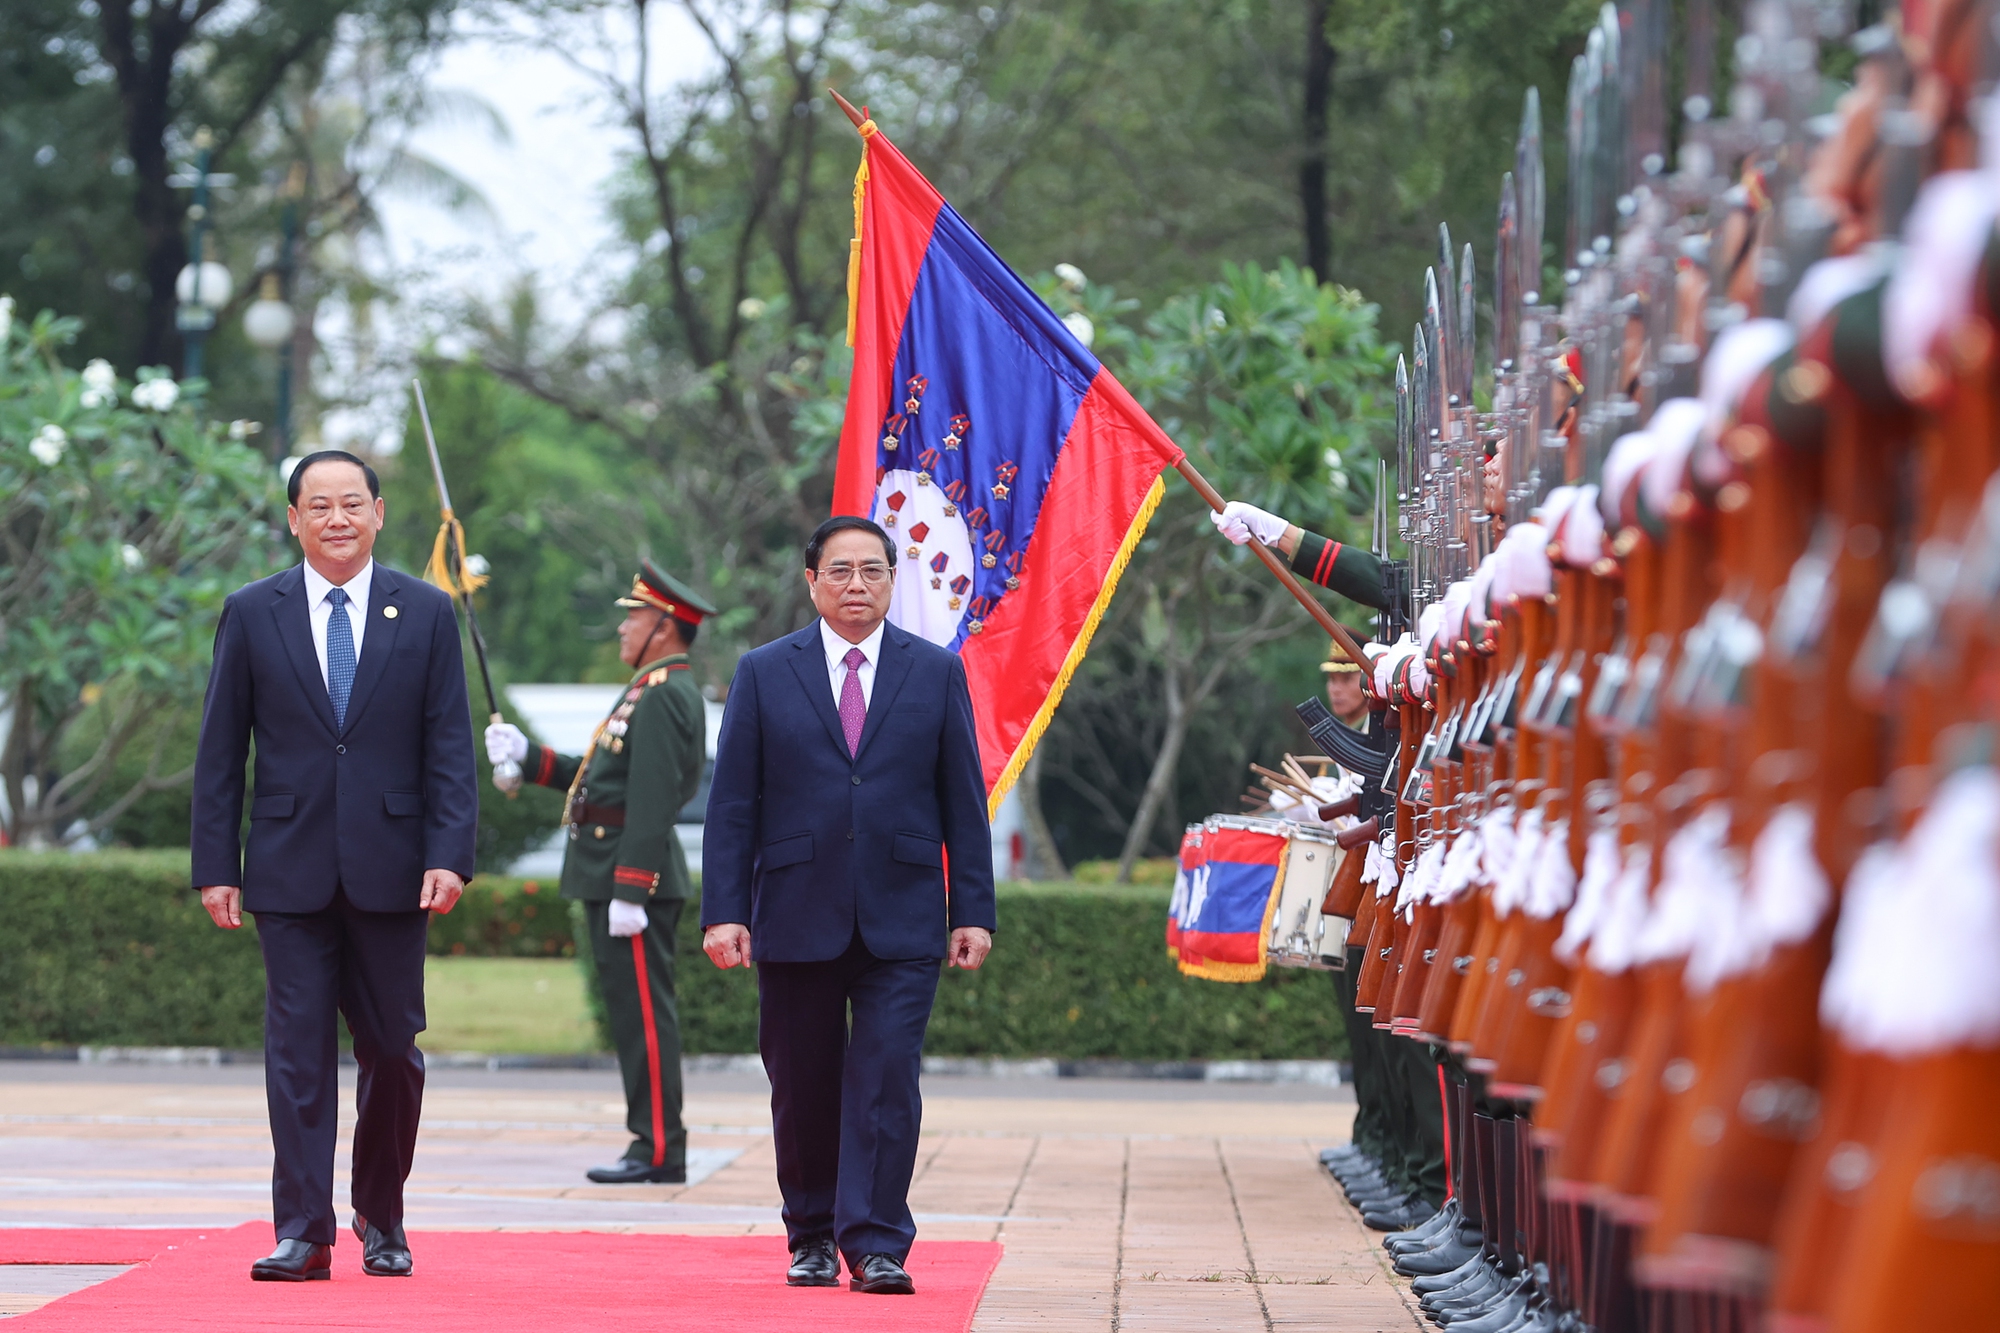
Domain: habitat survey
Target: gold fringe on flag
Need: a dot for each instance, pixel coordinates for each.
(439, 570)
(866, 129)
(1029, 739)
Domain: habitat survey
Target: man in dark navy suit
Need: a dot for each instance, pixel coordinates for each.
(362, 816)
(847, 779)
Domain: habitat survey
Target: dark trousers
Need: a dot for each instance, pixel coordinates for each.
(1419, 1111)
(1372, 1129)
(369, 968)
(843, 1042)
(636, 976)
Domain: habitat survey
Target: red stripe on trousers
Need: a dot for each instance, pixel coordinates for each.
(652, 1047)
(1444, 1099)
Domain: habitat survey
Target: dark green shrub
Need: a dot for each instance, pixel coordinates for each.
(112, 949)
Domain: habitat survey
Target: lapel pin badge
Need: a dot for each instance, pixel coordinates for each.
(388, 613)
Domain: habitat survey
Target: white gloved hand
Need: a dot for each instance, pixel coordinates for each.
(505, 743)
(1240, 522)
(626, 918)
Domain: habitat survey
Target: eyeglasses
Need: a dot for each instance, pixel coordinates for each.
(874, 574)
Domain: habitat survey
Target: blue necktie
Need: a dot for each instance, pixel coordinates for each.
(339, 656)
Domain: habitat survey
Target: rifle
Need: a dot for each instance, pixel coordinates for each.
(447, 570)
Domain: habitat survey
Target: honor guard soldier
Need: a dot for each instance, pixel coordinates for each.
(624, 862)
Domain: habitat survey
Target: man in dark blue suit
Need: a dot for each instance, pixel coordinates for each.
(349, 676)
(847, 780)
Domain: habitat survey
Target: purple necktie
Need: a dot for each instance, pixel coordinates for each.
(853, 708)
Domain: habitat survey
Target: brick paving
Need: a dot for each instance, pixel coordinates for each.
(1122, 1205)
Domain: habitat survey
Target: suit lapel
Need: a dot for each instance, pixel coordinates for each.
(890, 673)
(294, 620)
(379, 641)
(809, 661)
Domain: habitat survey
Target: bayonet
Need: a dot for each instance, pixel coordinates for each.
(1450, 337)
(1506, 279)
(1467, 336)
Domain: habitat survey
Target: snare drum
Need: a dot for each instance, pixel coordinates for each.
(1300, 936)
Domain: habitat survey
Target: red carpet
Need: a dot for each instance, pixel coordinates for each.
(495, 1282)
(88, 1245)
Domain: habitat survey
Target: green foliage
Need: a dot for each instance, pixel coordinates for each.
(115, 949)
(125, 519)
(505, 918)
(112, 948)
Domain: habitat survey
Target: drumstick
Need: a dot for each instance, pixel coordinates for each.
(1319, 759)
(1280, 782)
(1304, 778)
(1290, 795)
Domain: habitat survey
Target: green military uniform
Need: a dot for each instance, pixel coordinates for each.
(625, 795)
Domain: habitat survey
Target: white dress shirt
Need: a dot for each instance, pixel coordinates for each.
(836, 660)
(321, 610)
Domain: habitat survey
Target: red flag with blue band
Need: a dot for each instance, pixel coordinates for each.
(1014, 474)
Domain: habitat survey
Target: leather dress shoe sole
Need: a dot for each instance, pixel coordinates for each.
(629, 1172)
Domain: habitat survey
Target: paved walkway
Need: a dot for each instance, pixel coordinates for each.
(1123, 1205)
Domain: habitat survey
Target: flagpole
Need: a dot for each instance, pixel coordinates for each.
(1276, 564)
(1272, 560)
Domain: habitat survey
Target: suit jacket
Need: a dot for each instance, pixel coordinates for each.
(368, 807)
(805, 844)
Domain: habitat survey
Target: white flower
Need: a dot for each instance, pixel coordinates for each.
(476, 565)
(156, 395)
(132, 556)
(100, 384)
(49, 443)
(750, 308)
(1079, 324)
(6, 317)
(243, 430)
(1071, 276)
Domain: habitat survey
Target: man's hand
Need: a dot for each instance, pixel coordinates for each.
(441, 891)
(505, 744)
(225, 904)
(969, 947)
(626, 919)
(727, 944)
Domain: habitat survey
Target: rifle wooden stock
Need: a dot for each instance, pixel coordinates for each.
(1446, 977)
(1375, 963)
(1344, 894)
(1825, 1198)
(1632, 1128)
(1594, 1036)
(1905, 1266)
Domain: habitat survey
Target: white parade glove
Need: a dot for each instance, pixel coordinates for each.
(505, 743)
(626, 918)
(1240, 522)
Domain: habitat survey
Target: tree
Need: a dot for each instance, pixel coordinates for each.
(103, 104)
(1276, 383)
(125, 519)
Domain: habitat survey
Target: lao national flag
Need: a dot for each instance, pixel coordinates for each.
(1226, 920)
(1014, 473)
(1180, 907)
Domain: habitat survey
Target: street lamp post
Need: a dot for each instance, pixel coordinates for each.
(271, 323)
(203, 287)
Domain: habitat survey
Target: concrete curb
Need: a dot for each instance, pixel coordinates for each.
(1318, 1073)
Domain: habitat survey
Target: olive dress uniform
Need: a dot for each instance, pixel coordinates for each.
(625, 795)
(1401, 1122)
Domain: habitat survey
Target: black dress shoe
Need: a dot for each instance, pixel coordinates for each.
(880, 1275)
(294, 1261)
(816, 1263)
(630, 1171)
(383, 1253)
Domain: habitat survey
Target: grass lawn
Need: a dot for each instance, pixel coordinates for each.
(506, 1006)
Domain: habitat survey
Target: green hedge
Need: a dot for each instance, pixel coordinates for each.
(111, 949)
